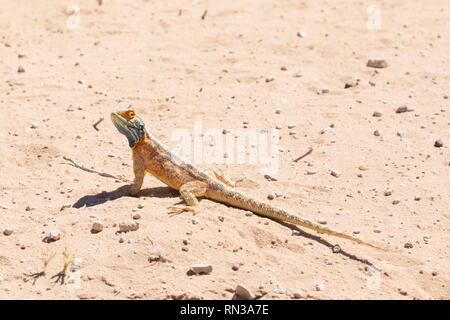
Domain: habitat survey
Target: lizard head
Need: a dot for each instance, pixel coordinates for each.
(130, 125)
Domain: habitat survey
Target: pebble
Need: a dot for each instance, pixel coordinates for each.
(185, 248)
(295, 232)
(8, 231)
(97, 226)
(140, 205)
(322, 221)
(54, 235)
(376, 133)
(137, 216)
(244, 293)
(248, 213)
(401, 134)
(320, 287)
(335, 173)
(387, 192)
(194, 221)
(377, 113)
(418, 197)
(396, 201)
(298, 294)
(221, 218)
(404, 108)
(236, 266)
(270, 196)
(325, 90)
(128, 226)
(302, 34)
(377, 63)
(20, 69)
(348, 85)
(408, 245)
(201, 268)
(438, 143)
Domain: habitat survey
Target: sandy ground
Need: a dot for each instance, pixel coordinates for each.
(173, 67)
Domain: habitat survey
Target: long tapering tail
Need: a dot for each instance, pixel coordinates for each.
(241, 200)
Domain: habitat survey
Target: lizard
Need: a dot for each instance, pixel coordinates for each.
(152, 156)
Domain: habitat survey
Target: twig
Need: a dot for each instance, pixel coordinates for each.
(310, 149)
(204, 14)
(97, 123)
(103, 174)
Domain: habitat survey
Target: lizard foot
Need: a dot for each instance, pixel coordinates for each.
(180, 209)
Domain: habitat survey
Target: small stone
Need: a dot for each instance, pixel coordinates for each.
(298, 294)
(325, 90)
(322, 221)
(408, 245)
(387, 192)
(320, 287)
(269, 79)
(438, 143)
(185, 248)
(140, 205)
(348, 85)
(396, 201)
(20, 69)
(201, 268)
(325, 130)
(335, 173)
(418, 197)
(377, 63)
(54, 235)
(221, 218)
(301, 34)
(401, 134)
(194, 221)
(336, 249)
(291, 125)
(244, 293)
(126, 226)
(97, 226)
(377, 113)
(376, 133)
(434, 273)
(136, 216)
(270, 196)
(248, 213)
(404, 108)
(8, 231)
(236, 266)
(402, 292)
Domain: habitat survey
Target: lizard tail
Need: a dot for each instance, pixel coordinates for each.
(241, 200)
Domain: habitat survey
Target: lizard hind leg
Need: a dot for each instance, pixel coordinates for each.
(223, 178)
(189, 192)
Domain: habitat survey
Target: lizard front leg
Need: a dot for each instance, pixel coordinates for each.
(139, 174)
(189, 192)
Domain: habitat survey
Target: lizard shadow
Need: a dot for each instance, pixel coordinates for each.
(326, 243)
(123, 191)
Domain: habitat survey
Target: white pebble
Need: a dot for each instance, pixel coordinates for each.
(244, 293)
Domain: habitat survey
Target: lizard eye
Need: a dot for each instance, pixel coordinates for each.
(131, 114)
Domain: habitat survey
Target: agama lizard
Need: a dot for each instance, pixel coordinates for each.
(150, 155)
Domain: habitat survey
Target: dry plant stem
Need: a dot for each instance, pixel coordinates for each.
(305, 154)
(67, 259)
(97, 123)
(103, 174)
(46, 257)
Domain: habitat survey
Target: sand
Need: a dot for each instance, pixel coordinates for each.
(242, 65)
